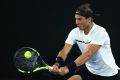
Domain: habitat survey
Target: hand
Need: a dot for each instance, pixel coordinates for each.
(63, 70)
(55, 69)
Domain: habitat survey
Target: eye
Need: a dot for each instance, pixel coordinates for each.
(79, 19)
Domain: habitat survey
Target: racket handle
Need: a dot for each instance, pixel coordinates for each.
(50, 67)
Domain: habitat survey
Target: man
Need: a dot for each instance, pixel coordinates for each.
(94, 43)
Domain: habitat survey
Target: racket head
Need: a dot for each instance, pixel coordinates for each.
(27, 59)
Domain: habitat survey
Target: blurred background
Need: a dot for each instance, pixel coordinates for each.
(44, 25)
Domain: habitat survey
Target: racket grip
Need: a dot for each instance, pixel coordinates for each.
(50, 67)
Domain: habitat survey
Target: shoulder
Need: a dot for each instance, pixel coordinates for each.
(75, 30)
(99, 28)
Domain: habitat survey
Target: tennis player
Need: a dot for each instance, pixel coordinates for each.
(94, 43)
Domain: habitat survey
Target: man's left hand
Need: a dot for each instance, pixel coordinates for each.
(63, 70)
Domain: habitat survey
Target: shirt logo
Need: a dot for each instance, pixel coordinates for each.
(83, 41)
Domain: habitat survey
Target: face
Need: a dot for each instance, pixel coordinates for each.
(82, 22)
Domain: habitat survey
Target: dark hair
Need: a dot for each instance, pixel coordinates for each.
(84, 10)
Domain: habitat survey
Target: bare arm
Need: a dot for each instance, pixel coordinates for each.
(90, 51)
(64, 52)
(82, 59)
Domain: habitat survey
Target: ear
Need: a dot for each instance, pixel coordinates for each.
(89, 19)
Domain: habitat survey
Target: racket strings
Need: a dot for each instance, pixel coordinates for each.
(26, 64)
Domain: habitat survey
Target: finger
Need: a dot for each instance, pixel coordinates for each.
(50, 69)
(55, 69)
(59, 70)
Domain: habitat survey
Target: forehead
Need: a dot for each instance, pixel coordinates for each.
(78, 16)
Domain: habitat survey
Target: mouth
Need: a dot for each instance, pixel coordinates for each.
(81, 27)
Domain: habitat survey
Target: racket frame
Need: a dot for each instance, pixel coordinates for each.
(45, 67)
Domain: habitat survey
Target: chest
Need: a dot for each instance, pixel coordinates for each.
(84, 39)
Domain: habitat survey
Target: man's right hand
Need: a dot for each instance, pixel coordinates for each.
(55, 69)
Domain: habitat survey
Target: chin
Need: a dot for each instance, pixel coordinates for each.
(81, 28)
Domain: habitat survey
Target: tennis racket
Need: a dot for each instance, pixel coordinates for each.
(28, 60)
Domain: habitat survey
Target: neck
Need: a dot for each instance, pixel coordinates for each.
(87, 30)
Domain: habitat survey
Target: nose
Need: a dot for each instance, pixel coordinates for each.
(76, 22)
